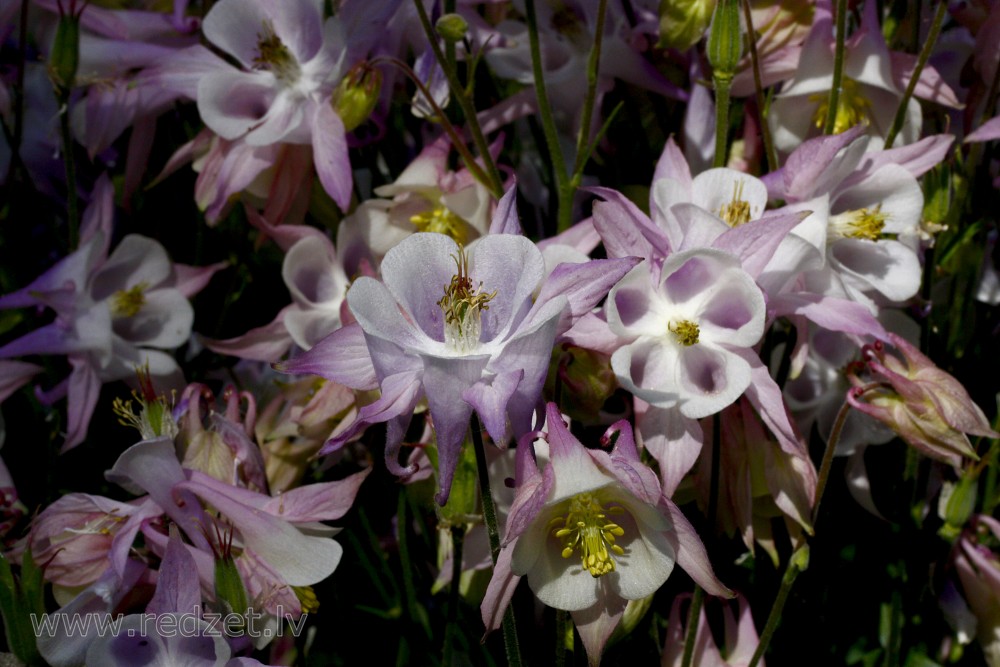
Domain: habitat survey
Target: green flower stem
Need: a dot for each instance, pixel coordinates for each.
(494, 182)
(796, 564)
(562, 181)
(722, 84)
(456, 140)
(449, 46)
(563, 628)
(838, 68)
(593, 66)
(770, 152)
(72, 202)
(925, 54)
(799, 560)
(509, 627)
(698, 600)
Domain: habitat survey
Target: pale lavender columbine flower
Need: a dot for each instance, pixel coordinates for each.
(290, 63)
(873, 85)
(460, 327)
(591, 529)
(113, 313)
(978, 569)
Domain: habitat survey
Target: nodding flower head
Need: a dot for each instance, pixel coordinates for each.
(463, 303)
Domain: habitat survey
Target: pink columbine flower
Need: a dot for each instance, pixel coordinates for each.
(926, 406)
(979, 571)
(591, 529)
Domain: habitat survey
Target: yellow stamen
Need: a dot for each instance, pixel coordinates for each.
(439, 219)
(585, 527)
(307, 598)
(274, 56)
(687, 332)
(862, 223)
(463, 304)
(737, 211)
(128, 303)
(852, 107)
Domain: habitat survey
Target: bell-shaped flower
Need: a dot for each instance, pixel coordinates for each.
(872, 86)
(924, 405)
(460, 327)
(978, 568)
(591, 529)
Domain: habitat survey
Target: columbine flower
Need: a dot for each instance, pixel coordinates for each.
(689, 333)
(926, 406)
(459, 327)
(740, 638)
(979, 571)
(591, 530)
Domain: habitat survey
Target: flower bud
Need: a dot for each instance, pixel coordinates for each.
(356, 96)
(587, 380)
(229, 587)
(452, 27)
(683, 22)
(957, 503)
(725, 40)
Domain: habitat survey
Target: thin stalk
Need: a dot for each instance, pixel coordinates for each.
(22, 49)
(838, 68)
(449, 46)
(588, 102)
(770, 152)
(406, 564)
(925, 54)
(713, 507)
(457, 544)
(72, 203)
(795, 566)
(800, 558)
(827, 463)
(509, 627)
(495, 182)
(559, 172)
(562, 627)
(722, 85)
(457, 141)
(692, 626)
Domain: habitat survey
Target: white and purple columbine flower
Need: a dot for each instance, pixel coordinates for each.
(591, 529)
(460, 327)
(689, 332)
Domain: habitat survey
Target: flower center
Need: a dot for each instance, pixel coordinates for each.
(128, 303)
(586, 528)
(852, 107)
(862, 223)
(686, 331)
(439, 219)
(737, 211)
(274, 56)
(463, 303)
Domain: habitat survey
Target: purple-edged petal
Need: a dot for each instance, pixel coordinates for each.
(625, 230)
(342, 357)
(674, 440)
(756, 242)
(583, 285)
(84, 390)
(267, 343)
(324, 501)
(765, 396)
(500, 590)
(490, 401)
(177, 592)
(505, 219)
(597, 624)
(333, 164)
(831, 313)
(574, 470)
(14, 375)
(691, 554)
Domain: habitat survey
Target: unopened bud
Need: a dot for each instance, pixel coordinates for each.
(683, 22)
(356, 96)
(65, 55)
(452, 27)
(725, 40)
(957, 503)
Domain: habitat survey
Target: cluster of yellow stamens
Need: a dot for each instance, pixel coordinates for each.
(439, 219)
(585, 527)
(852, 107)
(128, 303)
(863, 223)
(307, 598)
(274, 56)
(737, 211)
(463, 303)
(686, 331)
